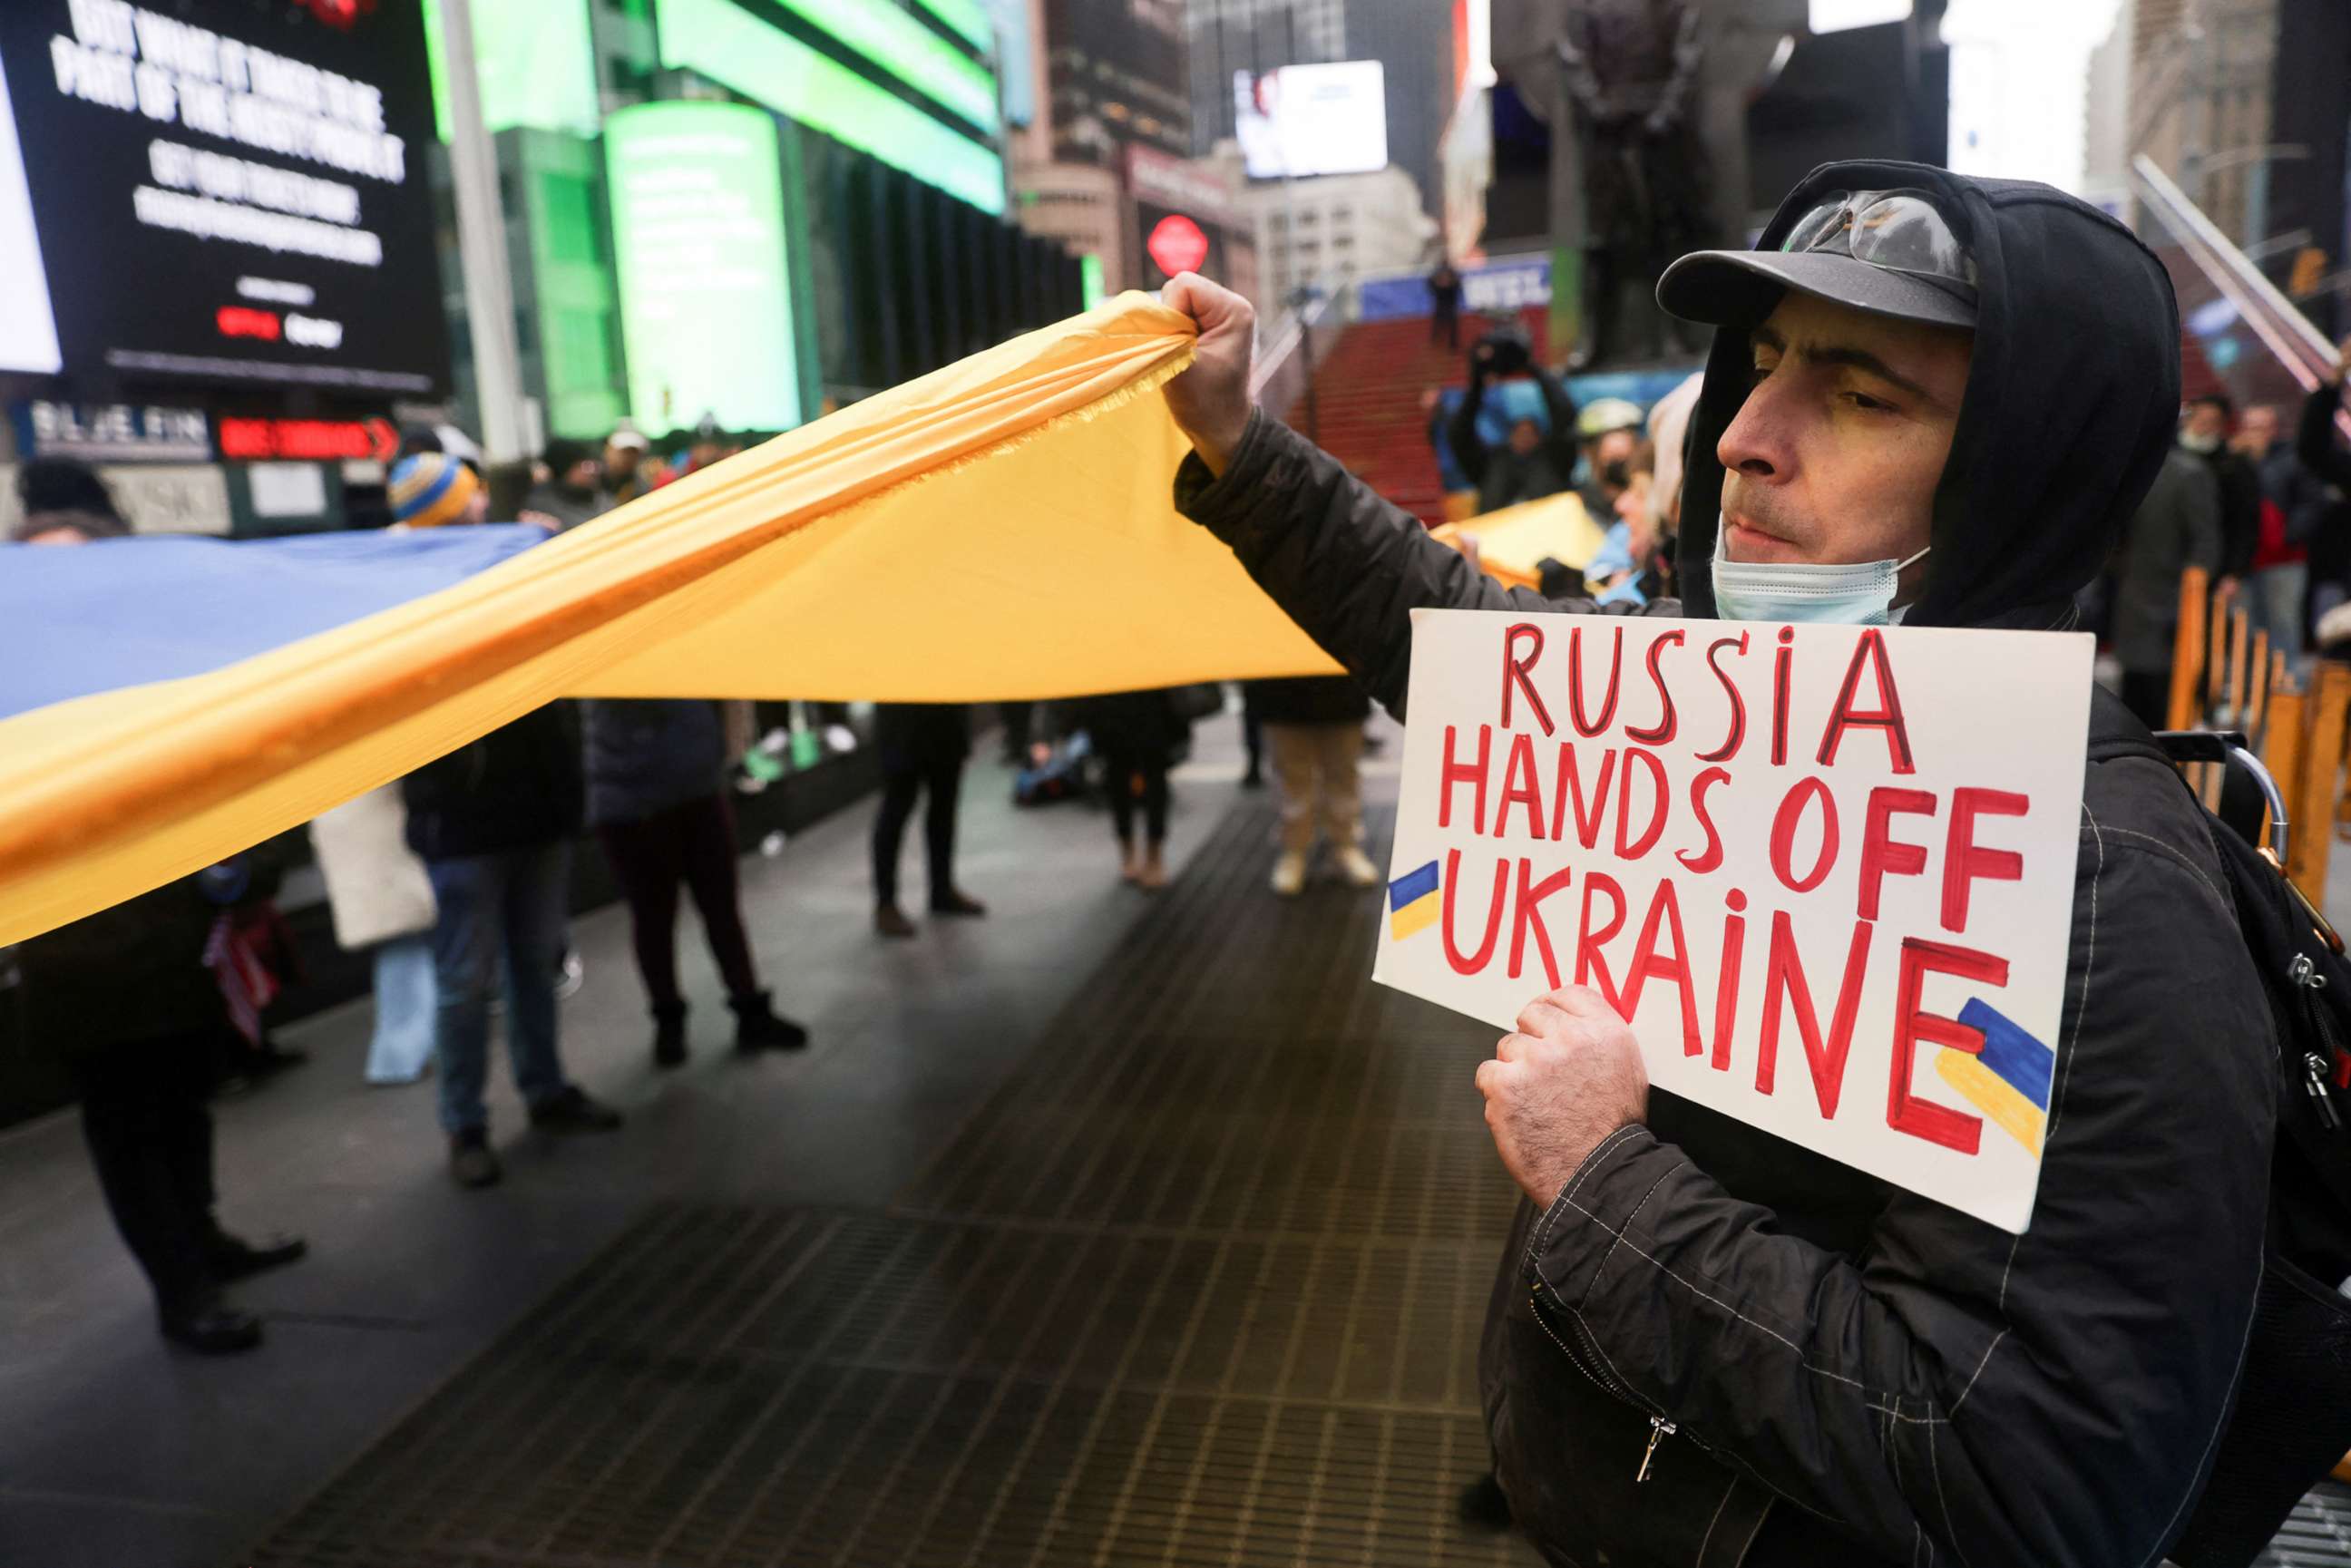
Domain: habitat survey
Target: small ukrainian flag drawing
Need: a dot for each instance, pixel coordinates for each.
(1413, 903)
(2008, 1082)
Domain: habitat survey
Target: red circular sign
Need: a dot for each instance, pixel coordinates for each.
(1178, 244)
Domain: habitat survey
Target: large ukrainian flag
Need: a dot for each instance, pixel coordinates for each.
(1002, 528)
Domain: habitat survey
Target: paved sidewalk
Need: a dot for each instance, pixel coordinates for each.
(1053, 1241)
(115, 1452)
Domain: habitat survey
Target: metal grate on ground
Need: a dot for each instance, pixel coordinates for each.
(2318, 1536)
(1199, 1284)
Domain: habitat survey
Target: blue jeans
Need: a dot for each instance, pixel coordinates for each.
(403, 1010)
(507, 906)
(2275, 600)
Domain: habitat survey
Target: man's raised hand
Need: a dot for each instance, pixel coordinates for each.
(1557, 1087)
(1211, 400)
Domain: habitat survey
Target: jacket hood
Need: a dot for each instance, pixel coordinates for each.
(2072, 399)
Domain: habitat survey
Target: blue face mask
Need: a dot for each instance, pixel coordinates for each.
(1861, 594)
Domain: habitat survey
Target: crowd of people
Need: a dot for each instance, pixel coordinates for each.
(1858, 1374)
(2258, 498)
(2266, 515)
(455, 881)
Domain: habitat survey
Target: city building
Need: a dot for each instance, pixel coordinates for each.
(1116, 74)
(2246, 105)
(2106, 119)
(1413, 40)
(1195, 215)
(886, 212)
(1337, 228)
(1107, 164)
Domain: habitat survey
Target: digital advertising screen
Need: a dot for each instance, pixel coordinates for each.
(221, 191)
(1303, 120)
(697, 195)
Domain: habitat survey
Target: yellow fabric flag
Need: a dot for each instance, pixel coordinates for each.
(1514, 542)
(1002, 528)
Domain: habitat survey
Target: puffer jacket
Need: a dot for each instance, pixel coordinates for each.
(1831, 1370)
(515, 788)
(645, 755)
(1307, 699)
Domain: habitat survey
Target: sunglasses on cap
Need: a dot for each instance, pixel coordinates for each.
(1898, 230)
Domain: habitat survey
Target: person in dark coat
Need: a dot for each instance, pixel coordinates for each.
(68, 485)
(2176, 526)
(126, 995)
(493, 822)
(1137, 735)
(922, 749)
(1708, 1344)
(574, 492)
(1534, 462)
(2204, 431)
(657, 801)
(2294, 507)
(1445, 307)
(2325, 466)
(138, 1016)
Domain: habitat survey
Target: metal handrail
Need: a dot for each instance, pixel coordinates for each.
(1282, 367)
(2302, 348)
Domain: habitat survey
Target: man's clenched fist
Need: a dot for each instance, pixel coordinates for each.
(1568, 1078)
(1211, 400)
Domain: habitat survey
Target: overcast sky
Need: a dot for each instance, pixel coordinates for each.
(2017, 81)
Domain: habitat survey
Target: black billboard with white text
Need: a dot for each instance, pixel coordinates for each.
(222, 191)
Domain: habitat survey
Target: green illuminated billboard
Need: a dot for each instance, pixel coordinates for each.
(697, 199)
(967, 17)
(533, 60)
(725, 43)
(909, 51)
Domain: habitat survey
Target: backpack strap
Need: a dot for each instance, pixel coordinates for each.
(2117, 732)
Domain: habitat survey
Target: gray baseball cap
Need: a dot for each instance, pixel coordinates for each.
(1889, 253)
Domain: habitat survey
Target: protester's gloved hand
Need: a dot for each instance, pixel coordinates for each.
(1211, 400)
(1557, 1087)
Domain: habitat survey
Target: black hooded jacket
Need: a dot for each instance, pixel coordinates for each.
(1856, 1375)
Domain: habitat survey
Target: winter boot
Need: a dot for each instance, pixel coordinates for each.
(757, 1026)
(669, 1036)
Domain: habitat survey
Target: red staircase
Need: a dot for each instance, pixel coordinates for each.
(1367, 391)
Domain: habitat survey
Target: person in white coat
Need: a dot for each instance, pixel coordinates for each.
(381, 898)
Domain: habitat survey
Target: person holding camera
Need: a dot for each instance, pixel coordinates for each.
(1533, 461)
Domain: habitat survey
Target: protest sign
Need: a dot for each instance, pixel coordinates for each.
(1825, 871)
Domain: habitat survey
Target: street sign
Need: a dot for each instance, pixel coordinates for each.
(1178, 244)
(260, 440)
(112, 432)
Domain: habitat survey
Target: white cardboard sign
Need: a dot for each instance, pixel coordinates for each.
(1825, 871)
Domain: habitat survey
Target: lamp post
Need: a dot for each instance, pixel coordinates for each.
(482, 247)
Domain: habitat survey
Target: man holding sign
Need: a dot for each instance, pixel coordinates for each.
(1940, 1236)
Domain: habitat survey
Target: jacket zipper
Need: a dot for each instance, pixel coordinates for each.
(1659, 1427)
(2317, 1069)
(1659, 1430)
